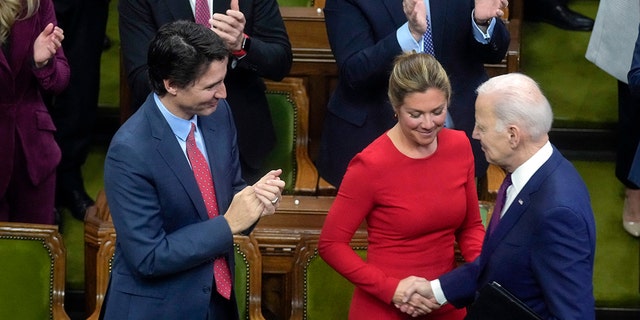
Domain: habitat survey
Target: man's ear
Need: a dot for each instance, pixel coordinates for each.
(514, 136)
(168, 85)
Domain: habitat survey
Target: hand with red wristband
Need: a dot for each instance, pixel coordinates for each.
(230, 27)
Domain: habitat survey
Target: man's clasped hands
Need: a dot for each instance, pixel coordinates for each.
(415, 297)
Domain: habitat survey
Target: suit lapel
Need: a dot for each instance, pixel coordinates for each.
(521, 203)
(175, 159)
(209, 137)
(20, 45)
(221, 6)
(181, 10)
(439, 15)
(395, 10)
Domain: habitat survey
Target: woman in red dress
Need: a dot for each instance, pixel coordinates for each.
(414, 185)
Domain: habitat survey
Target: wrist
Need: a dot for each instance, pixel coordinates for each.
(482, 23)
(244, 48)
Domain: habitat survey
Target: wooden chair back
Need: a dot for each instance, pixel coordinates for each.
(320, 292)
(33, 261)
(289, 107)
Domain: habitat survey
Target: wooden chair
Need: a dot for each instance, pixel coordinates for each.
(33, 272)
(319, 292)
(289, 107)
(100, 241)
(99, 246)
(248, 277)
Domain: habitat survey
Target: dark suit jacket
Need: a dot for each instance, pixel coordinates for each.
(163, 264)
(634, 87)
(362, 34)
(543, 249)
(270, 57)
(22, 109)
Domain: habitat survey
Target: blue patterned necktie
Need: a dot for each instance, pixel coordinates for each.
(428, 40)
(500, 199)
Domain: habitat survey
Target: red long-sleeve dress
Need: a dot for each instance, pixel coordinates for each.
(415, 210)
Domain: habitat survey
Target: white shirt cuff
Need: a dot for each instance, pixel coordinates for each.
(437, 292)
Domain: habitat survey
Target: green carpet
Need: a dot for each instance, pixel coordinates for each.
(582, 96)
(73, 229)
(616, 279)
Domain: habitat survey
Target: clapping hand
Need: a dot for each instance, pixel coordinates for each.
(487, 9)
(269, 191)
(230, 26)
(47, 44)
(416, 13)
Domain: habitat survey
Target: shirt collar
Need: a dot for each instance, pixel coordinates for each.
(179, 126)
(524, 172)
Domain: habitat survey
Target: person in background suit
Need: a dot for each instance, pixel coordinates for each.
(253, 30)
(419, 199)
(542, 246)
(32, 63)
(365, 36)
(611, 48)
(163, 266)
(631, 213)
(556, 13)
(74, 109)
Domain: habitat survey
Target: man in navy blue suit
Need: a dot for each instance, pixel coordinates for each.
(365, 36)
(260, 49)
(542, 247)
(163, 267)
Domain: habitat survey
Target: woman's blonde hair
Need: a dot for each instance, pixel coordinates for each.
(13, 10)
(416, 72)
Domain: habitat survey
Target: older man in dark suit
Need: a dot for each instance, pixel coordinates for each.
(541, 240)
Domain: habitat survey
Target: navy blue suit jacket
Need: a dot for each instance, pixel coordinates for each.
(542, 250)
(166, 243)
(362, 34)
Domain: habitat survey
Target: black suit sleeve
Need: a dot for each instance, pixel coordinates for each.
(270, 54)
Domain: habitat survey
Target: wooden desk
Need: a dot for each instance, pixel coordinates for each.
(278, 236)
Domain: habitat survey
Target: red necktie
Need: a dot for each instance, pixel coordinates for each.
(202, 13)
(201, 171)
(500, 199)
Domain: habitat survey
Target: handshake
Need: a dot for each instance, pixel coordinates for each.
(415, 297)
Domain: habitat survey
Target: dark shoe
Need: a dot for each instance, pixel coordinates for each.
(564, 18)
(77, 202)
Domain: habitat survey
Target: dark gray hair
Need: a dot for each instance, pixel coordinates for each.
(181, 51)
